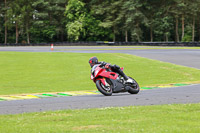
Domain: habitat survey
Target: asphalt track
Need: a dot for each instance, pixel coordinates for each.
(186, 94)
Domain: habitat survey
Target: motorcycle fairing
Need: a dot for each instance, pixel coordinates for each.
(117, 86)
(102, 81)
(99, 72)
(106, 74)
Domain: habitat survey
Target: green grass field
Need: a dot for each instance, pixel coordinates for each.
(35, 72)
(183, 118)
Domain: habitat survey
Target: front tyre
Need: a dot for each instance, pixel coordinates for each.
(105, 90)
(134, 89)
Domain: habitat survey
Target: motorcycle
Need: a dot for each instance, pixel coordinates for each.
(108, 82)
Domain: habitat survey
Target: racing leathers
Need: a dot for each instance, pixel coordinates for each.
(114, 68)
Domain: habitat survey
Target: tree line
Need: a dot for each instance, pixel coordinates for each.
(40, 21)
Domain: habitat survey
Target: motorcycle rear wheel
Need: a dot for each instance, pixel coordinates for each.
(107, 91)
(134, 89)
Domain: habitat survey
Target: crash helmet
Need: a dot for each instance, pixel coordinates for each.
(93, 61)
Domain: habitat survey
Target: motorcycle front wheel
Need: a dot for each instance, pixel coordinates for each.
(105, 90)
(134, 89)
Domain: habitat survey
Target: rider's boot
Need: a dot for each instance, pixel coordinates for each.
(129, 81)
(118, 70)
(126, 78)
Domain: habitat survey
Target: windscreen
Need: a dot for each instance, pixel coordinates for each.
(94, 67)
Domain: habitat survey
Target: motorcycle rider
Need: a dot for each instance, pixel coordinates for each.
(115, 68)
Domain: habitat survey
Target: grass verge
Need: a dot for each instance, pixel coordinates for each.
(31, 72)
(157, 119)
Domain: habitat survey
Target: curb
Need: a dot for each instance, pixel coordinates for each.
(75, 93)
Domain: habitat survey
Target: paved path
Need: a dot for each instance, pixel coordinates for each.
(186, 94)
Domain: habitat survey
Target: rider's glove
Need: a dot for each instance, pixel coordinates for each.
(107, 66)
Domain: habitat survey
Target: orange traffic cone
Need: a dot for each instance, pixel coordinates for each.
(51, 46)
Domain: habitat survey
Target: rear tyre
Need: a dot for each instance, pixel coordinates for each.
(107, 91)
(134, 89)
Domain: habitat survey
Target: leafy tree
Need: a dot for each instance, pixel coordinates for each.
(193, 6)
(110, 11)
(135, 18)
(56, 15)
(41, 21)
(90, 20)
(164, 22)
(150, 9)
(14, 13)
(6, 20)
(27, 16)
(75, 14)
(81, 24)
(183, 9)
(1, 21)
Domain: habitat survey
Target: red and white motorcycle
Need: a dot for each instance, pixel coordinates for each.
(108, 82)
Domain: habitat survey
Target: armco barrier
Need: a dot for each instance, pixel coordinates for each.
(97, 43)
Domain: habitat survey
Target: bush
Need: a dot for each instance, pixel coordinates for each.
(187, 38)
